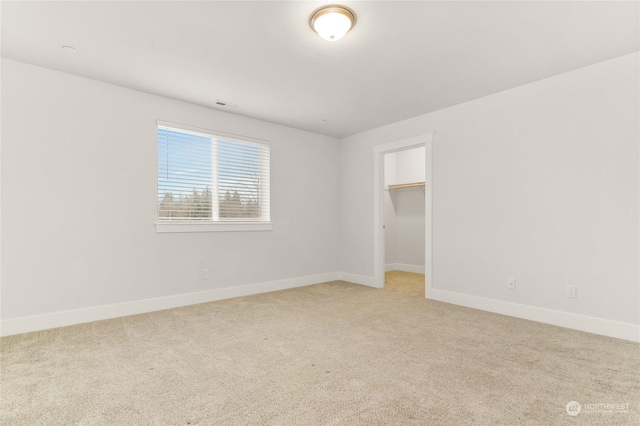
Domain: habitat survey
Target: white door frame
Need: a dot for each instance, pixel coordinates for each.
(379, 151)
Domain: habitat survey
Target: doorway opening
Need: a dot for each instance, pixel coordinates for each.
(402, 172)
(404, 236)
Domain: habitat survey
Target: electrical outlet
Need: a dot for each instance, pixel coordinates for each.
(205, 274)
(571, 291)
(511, 283)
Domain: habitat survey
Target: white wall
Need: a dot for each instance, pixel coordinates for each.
(409, 221)
(540, 182)
(406, 166)
(79, 200)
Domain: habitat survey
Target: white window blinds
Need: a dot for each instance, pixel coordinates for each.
(208, 177)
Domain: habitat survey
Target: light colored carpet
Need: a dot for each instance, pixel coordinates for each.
(404, 283)
(328, 354)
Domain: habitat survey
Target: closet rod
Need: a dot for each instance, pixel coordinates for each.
(406, 185)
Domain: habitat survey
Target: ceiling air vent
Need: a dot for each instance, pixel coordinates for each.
(226, 104)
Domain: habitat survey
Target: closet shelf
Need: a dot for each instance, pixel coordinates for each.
(407, 185)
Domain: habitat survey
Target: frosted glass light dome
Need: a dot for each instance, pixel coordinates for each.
(332, 22)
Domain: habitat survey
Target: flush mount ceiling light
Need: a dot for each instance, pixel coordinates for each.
(332, 22)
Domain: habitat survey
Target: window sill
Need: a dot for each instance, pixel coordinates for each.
(162, 227)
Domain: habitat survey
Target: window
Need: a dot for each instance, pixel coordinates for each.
(210, 181)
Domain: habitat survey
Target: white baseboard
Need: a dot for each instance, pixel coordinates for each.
(620, 330)
(390, 267)
(96, 313)
(357, 279)
(417, 269)
(600, 326)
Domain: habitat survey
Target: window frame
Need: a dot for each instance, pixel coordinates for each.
(189, 226)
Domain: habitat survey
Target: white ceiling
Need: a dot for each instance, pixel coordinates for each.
(401, 60)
